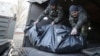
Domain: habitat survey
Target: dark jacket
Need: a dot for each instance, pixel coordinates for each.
(54, 15)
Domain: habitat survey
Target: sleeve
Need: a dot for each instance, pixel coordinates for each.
(60, 15)
(45, 12)
(81, 21)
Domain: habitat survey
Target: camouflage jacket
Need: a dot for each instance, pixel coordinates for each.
(54, 15)
(80, 20)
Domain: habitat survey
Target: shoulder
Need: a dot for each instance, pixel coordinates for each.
(81, 9)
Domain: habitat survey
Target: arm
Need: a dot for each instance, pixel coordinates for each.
(45, 12)
(81, 21)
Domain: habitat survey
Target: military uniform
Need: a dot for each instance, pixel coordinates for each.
(52, 15)
(80, 22)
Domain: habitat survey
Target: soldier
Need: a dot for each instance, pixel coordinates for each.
(53, 13)
(78, 20)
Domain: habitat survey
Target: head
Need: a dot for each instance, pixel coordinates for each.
(74, 11)
(53, 4)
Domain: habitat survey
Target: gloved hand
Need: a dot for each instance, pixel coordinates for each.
(74, 31)
(36, 22)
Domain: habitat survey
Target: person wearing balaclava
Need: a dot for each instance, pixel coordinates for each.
(77, 19)
(53, 13)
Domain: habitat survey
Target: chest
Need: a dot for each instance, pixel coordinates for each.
(53, 13)
(75, 19)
